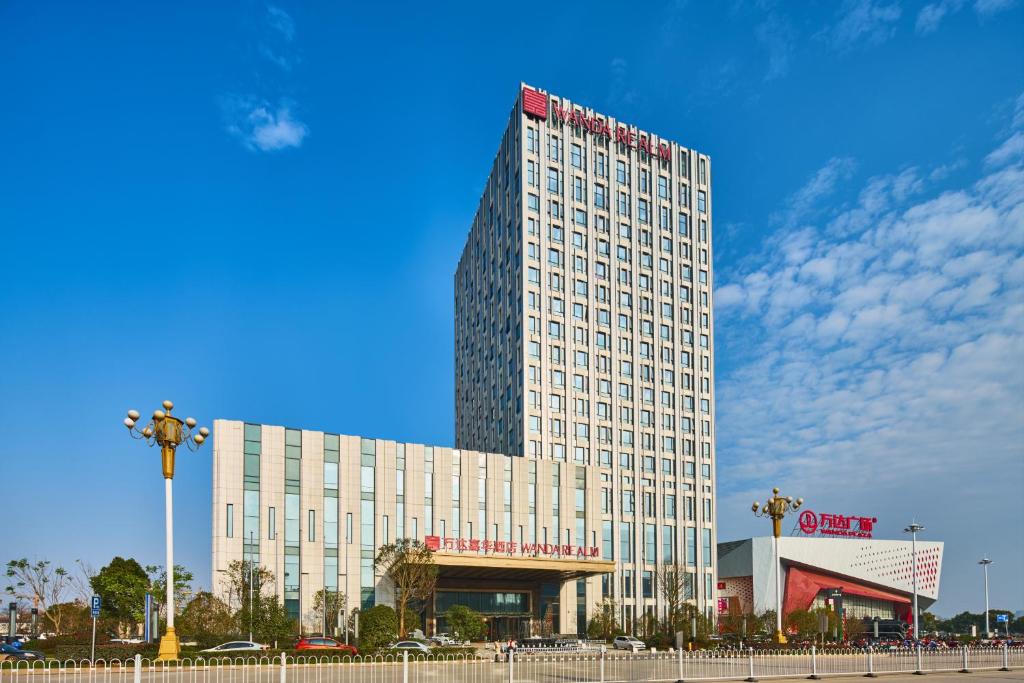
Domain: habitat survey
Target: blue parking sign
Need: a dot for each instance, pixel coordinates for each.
(95, 606)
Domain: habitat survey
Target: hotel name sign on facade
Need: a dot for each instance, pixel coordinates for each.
(475, 545)
(536, 104)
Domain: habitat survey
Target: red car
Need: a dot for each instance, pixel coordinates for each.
(326, 644)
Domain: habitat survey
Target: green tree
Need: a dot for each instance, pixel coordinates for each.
(604, 623)
(236, 582)
(43, 584)
(206, 615)
(410, 566)
(378, 626)
(122, 587)
(804, 622)
(328, 606)
(675, 585)
(465, 623)
(158, 586)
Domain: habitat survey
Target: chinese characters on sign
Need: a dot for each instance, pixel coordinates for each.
(827, 524)
(475, 545)
(723, 605)
(535, 104)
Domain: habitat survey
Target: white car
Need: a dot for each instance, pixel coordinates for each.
(443, 639)
(235, 646)
(413, 646)
(628, 643)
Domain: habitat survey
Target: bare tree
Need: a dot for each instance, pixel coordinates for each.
(410, 566)
(675, 585)
(42, 584)
(80, 580)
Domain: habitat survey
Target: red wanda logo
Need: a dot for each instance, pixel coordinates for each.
(808, 522)
(535, 103)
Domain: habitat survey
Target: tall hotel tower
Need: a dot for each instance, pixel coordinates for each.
(584, 331)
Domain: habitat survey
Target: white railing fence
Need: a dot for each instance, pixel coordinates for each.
(524, 666)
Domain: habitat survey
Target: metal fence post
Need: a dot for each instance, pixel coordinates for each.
(679, 664)
(284, 662)
(750, 659)
(871, 663)
(963, 660)
(604, 650)
(137, 673)
(511, 665)
(405, 666)
(920, 667)
(814, 665)
(1006, 658)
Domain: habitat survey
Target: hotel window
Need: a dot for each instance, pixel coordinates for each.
(706, 546)
(650, 543)
(577, 156)
(691, 546)
(625, 542)
(532, 140)
(601, 165)
(668, 544)
(230, 530)
(663, 187)
(647, 581)
(702, 201)
(311, 527)
(272, 524)
(620, 173)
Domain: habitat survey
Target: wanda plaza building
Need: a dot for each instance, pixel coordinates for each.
(585, 452)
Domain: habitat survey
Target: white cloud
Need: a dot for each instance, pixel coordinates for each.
(821, 184)
(931, 15)
(877, 360)
(988, 7)
(281, 21)
(1008, 151)
(262, 127)
(864, 21)
(777, 36)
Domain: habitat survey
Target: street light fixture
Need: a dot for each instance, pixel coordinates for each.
(985, 562)
(168, 432)
(912, 529)
(776, 508)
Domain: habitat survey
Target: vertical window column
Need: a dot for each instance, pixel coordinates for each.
(400, 492)
(292, 483)
(367, 510)
(428, 491)
(330, 535)
(456, 494)
(251, 493)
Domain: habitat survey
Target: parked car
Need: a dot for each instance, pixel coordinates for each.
(413, 646)
(443, 639)
(319, 643)
(236, 646)
(628, 643)
(10, 653)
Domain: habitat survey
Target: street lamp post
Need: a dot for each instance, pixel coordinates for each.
(912, 529)
(776, 508)
(252, 549)
(168, 432)
(985, 562)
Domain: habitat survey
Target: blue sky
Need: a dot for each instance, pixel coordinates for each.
(256, 210)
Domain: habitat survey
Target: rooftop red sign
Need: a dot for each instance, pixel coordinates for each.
(827, 524)
(536, 104)
(475, 545)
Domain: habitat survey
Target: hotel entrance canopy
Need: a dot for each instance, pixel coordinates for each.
(517, 568)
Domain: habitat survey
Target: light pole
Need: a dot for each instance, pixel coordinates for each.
(168, 432)
(912, 529)
(251, 558)
(985, 562)
(776, 508)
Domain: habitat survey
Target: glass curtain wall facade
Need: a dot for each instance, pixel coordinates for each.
(584, 326)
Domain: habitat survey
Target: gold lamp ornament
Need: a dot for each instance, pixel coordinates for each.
(168, 432)
(776, 509)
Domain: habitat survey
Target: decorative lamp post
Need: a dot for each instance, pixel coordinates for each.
(776, 508)
(912, 529)
(168, 432)
(985, 562)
